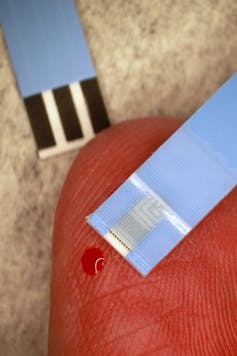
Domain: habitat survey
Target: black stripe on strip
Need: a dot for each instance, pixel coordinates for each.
(39, 121)
(67, 113)
(95, 104)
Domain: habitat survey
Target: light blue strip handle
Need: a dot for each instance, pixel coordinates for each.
(46, 44)
(157, 206)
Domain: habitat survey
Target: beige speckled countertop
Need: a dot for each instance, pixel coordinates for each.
(152, 57)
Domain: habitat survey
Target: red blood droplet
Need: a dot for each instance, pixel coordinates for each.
(92, 261)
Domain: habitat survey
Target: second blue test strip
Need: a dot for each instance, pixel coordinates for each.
(47, 44)
(55, 73)
(157, 206)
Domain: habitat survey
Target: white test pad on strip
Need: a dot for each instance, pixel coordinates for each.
(174, 189)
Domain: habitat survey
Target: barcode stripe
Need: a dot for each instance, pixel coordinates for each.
(81, 109)
(39, 121)
(95, 104)
(67, 113)
(54, 118)
(62, 148)
(66, 118)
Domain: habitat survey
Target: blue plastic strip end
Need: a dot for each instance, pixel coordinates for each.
(165, 198)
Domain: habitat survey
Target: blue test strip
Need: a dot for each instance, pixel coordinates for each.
(55, 73)
(164, 199)
(46, 44)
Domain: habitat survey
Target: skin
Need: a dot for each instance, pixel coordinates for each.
(186, 306)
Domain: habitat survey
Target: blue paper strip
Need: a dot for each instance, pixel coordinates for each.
(46, 44)
(176, 187)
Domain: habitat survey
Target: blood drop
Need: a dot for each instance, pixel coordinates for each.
(92, 261)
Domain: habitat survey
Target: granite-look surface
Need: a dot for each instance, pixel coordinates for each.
(152, 57)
